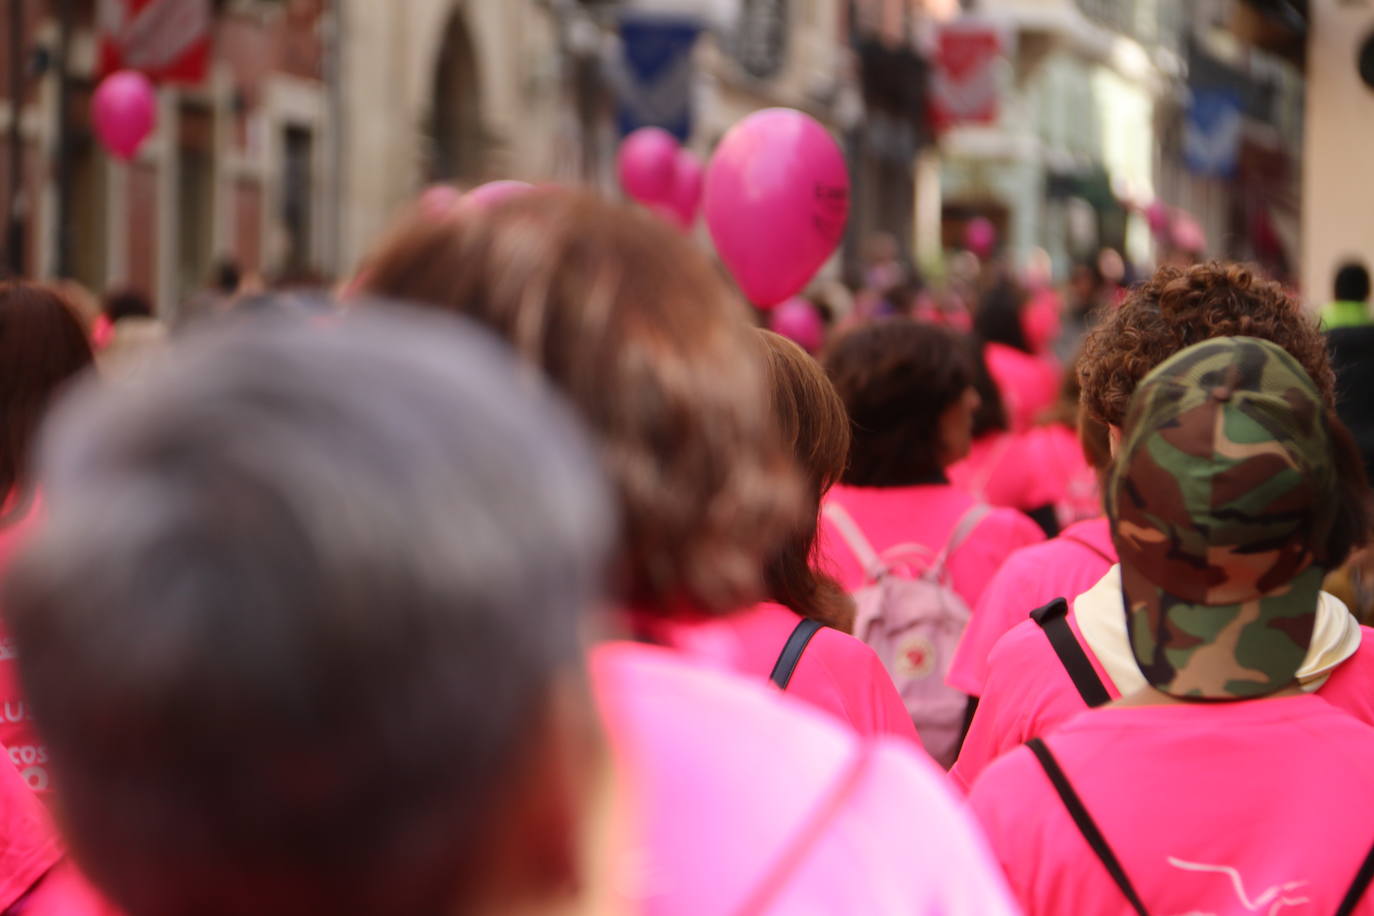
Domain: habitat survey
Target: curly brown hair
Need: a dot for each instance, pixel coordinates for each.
(636, 327)
(1179, 307)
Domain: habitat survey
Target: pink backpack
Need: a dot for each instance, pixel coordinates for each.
(908, 613)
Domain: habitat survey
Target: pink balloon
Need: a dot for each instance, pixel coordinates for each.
(647, 165)
(777, 199)
(493, 192)
(798, 320)
(688, 181)
(124, 112)
(980, 236)
(1158, 216)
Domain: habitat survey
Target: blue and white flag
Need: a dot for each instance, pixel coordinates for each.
(655, 77)
(1211, 137)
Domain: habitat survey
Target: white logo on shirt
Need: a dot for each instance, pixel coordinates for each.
(1272, 901)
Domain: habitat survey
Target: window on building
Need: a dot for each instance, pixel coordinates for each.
(457, 143)
(195, 197)
(297, 200)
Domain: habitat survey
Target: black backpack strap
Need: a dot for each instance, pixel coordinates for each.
(792, 652)
(1361, 884)
(1086, 825)
(1053, 619)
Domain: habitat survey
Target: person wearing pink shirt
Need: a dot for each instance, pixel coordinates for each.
(1199, 790)
(362, 687)
(1031, 577)
(1024, 471)
(809, 610)
(1024, 685)
(1029, 382)
(660, 359)
(42, 349)
(909, 392)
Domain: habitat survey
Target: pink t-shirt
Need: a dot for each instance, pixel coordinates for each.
(924, 515)
(17, 734)
(745, 801)
(1029, 385)
(1063, 567)
(29, 845)
(64, 891)
(836, 673)
(1029, 694)
(1265, 806)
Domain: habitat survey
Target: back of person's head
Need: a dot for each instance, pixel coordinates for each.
(1227, 506)
(127, 303)
(1179, 307)
(812, 420)
(228, 277)
(304, 613)
(991, 415)
(1352, 283)
(42, 347)
(631, 321)
(901, 382)
(998, 317)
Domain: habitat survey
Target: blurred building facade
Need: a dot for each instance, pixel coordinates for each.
(238, 169)
(319, 119)
(1073, 154)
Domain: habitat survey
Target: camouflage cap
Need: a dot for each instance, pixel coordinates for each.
(1220, 491)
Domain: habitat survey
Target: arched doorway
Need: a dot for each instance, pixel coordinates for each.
(457, 147)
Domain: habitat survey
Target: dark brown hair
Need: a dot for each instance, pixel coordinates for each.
(1179, 307)
(812, 420)
(896, 378)
(1350, 526)
(630, 319)
(42, 346)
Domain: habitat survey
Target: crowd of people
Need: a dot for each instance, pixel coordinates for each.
(527, 574)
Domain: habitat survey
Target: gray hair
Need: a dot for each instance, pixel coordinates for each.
(302, 592)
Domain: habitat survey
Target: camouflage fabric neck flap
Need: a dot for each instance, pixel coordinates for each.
(1221, 489)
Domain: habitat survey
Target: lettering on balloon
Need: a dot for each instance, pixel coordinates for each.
(831, 209)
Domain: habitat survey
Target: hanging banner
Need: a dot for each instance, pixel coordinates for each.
(1212, 132)
(166, 40)
(966, 74)
(656, 75)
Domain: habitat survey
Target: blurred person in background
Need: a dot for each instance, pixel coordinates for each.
(43, 348)
(405, 724)
(1024, 471)
(1034, 674)
(1350, 290)
(814, 424)
(1082, 300)
(915, 549)
(1027, 381)
(130, 333)
(633, 323)
(1194, 791)
(909, 391)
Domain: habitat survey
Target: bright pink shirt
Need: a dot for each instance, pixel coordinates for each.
(1063, 567)
(925, 515)
(746, 801)
(1029, 694)
(29, 845)
(1264, 806)
(836, 673)
(17, 734)
(1029, 385)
